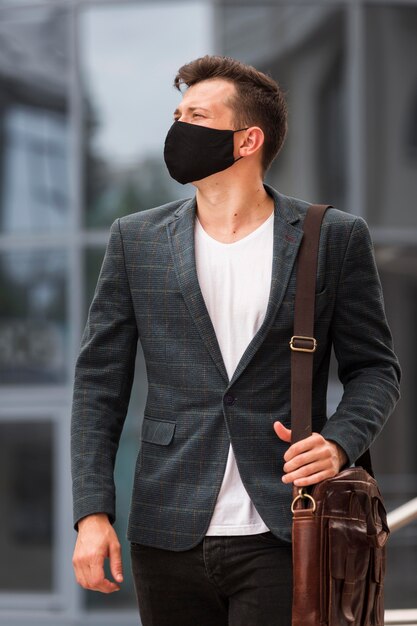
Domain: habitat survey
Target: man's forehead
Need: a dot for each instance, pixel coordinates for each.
(208, 93)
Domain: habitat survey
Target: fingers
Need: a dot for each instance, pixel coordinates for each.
(306, 451)
(309, 474)
(300, 460)
(304, 445)
(89, 573)
(309, 461)
(116, 566)
(314, 478)
(282, 432)
(96, 580)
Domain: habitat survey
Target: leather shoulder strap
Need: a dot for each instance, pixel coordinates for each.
(303, 343)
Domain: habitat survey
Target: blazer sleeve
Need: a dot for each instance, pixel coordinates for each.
(102, 386)
(367, 366)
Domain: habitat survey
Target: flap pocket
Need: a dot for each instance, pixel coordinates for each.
(157, 431)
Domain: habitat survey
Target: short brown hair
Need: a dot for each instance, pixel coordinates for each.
(259, 99)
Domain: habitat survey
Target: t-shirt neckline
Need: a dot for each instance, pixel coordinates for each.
(244, 239)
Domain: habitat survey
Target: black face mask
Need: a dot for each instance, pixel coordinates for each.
(194, 152)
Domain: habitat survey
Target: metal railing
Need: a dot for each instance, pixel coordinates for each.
(398, 518)
(401, 617)
(405, 514)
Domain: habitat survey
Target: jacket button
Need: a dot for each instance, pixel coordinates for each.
(229, 399)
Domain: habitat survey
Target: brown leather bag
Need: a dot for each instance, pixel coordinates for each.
(339, 525)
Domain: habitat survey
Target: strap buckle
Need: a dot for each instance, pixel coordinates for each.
(299, 343)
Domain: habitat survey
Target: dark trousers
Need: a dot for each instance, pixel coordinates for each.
(223, 581)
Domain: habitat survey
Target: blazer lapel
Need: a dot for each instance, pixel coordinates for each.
(181, 238)
(287, 239)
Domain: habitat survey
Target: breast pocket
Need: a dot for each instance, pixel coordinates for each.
(285, 316)
(319, 298)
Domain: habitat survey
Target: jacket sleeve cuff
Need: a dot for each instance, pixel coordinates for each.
(90, 505)
(350, 448)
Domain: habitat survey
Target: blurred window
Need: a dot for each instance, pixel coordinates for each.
(401, 572)
(34, 170)
(304, 49)
(391, 116)
(410, 138)
(35, 254)
(34, 156)
(33, 319)
(130, 100)
(26, 521)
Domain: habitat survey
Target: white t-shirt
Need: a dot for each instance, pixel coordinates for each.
(235, 280)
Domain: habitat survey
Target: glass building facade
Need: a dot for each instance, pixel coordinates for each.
(86, 99)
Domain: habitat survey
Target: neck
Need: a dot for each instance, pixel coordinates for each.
(230, 209)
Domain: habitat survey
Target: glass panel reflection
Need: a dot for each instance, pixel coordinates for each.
(391, 115)
(304, 49)
(35, 171)
(26, 534)
(33, 121)
(33, 320)
(401, 577)
(394, 454)
(129, 101)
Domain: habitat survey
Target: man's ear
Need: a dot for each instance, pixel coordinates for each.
(249, 141)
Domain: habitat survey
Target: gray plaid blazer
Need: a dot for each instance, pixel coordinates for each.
(148, 290)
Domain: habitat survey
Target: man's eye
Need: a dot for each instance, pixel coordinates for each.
(197, 115)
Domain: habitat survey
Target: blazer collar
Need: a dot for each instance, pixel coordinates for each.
(286, 241)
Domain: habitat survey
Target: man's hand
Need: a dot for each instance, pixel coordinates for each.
(310, 460)
(96, 541)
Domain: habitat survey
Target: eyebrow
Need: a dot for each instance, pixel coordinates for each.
(191, 109)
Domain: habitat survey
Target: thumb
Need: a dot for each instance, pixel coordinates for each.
(282, 432)
(116, 566)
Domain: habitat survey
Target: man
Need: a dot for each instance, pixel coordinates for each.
(207, 285)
